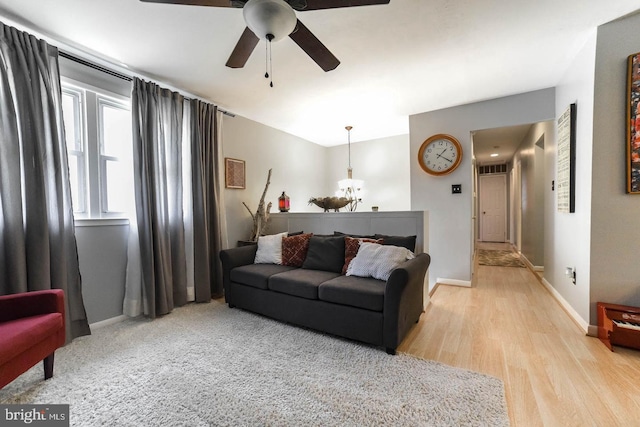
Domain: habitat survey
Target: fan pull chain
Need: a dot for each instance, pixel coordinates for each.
(266, 60)
(268, 64)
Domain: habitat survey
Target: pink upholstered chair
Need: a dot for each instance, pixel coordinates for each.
(31, 329)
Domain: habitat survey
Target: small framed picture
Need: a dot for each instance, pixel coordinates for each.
(234, 173)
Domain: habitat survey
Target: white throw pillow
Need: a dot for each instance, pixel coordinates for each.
(377, 261)
(270, 249)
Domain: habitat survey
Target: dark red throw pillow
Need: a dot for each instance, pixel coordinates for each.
(294, 249)
(351, 246)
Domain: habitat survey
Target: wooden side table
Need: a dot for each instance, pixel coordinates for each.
(619, 325)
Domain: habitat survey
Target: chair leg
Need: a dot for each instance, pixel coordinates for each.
(48, 366)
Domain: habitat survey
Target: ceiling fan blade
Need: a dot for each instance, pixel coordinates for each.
(314, 47)
(333, 4)
(215, 3)
(243, 49)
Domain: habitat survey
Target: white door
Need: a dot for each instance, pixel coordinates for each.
(493, 208)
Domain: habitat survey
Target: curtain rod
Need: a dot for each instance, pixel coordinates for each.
(113, 73)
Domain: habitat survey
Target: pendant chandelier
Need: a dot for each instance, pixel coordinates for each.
(350, 188)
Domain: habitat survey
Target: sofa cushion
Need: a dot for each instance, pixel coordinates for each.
(325, 253)
(408, 242)
(257, 275)
(21, 334)
(300, 282)
(354, 291)
(378, 261)
(294, 249)
(270, 249)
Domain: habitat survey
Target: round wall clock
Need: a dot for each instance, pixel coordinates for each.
(440, 154)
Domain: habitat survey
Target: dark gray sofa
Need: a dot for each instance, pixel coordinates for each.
(363, 309)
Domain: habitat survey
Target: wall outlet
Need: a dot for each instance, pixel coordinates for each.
(571, 273)
(456, 189)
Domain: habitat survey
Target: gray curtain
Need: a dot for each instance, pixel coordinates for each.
(157, 157)
(37, 236)
(158, 138)
(207, 207)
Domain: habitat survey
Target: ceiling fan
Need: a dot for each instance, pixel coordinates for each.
(273, 20)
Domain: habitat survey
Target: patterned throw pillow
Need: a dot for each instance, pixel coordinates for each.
(378, 261)
(294, 249)
(270, 249)
(351, 246)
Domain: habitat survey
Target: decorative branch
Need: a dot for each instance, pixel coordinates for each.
(261, 217)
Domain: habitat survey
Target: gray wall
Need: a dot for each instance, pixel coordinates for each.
(600, 239)
(533, 187)
(298, 168)
(102, 254)
(450, 215)
(615, 235)
(568, 235)
(382, 163)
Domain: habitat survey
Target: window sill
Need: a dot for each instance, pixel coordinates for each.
(100, 222)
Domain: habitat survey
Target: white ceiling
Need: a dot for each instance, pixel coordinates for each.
(501, 141)
(407, 57)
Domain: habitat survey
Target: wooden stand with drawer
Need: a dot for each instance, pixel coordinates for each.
(619, 325)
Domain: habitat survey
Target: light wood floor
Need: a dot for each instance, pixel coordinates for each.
(509, 326)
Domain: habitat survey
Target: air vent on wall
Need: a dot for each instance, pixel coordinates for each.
(488, 169)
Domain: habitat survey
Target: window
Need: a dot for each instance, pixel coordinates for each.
(99, 147)
(72, 101)
(116, 170)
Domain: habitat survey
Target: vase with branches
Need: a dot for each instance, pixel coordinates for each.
(261, 216)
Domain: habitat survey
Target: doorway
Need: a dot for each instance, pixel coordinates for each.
(493, 208)
(520, 186)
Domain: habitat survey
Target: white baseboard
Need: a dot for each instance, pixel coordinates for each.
(536, 268)
(107, 322)
(453, 282)
(588, 329)
(433, 290)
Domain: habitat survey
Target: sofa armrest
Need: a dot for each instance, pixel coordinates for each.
(235, 257)
(25, 304)
(403, 299)
(232, 258)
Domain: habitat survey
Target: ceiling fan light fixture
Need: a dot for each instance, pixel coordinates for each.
(270, 20)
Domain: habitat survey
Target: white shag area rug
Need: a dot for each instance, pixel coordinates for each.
(209, 365)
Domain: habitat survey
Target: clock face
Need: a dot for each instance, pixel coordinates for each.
(440, 154)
